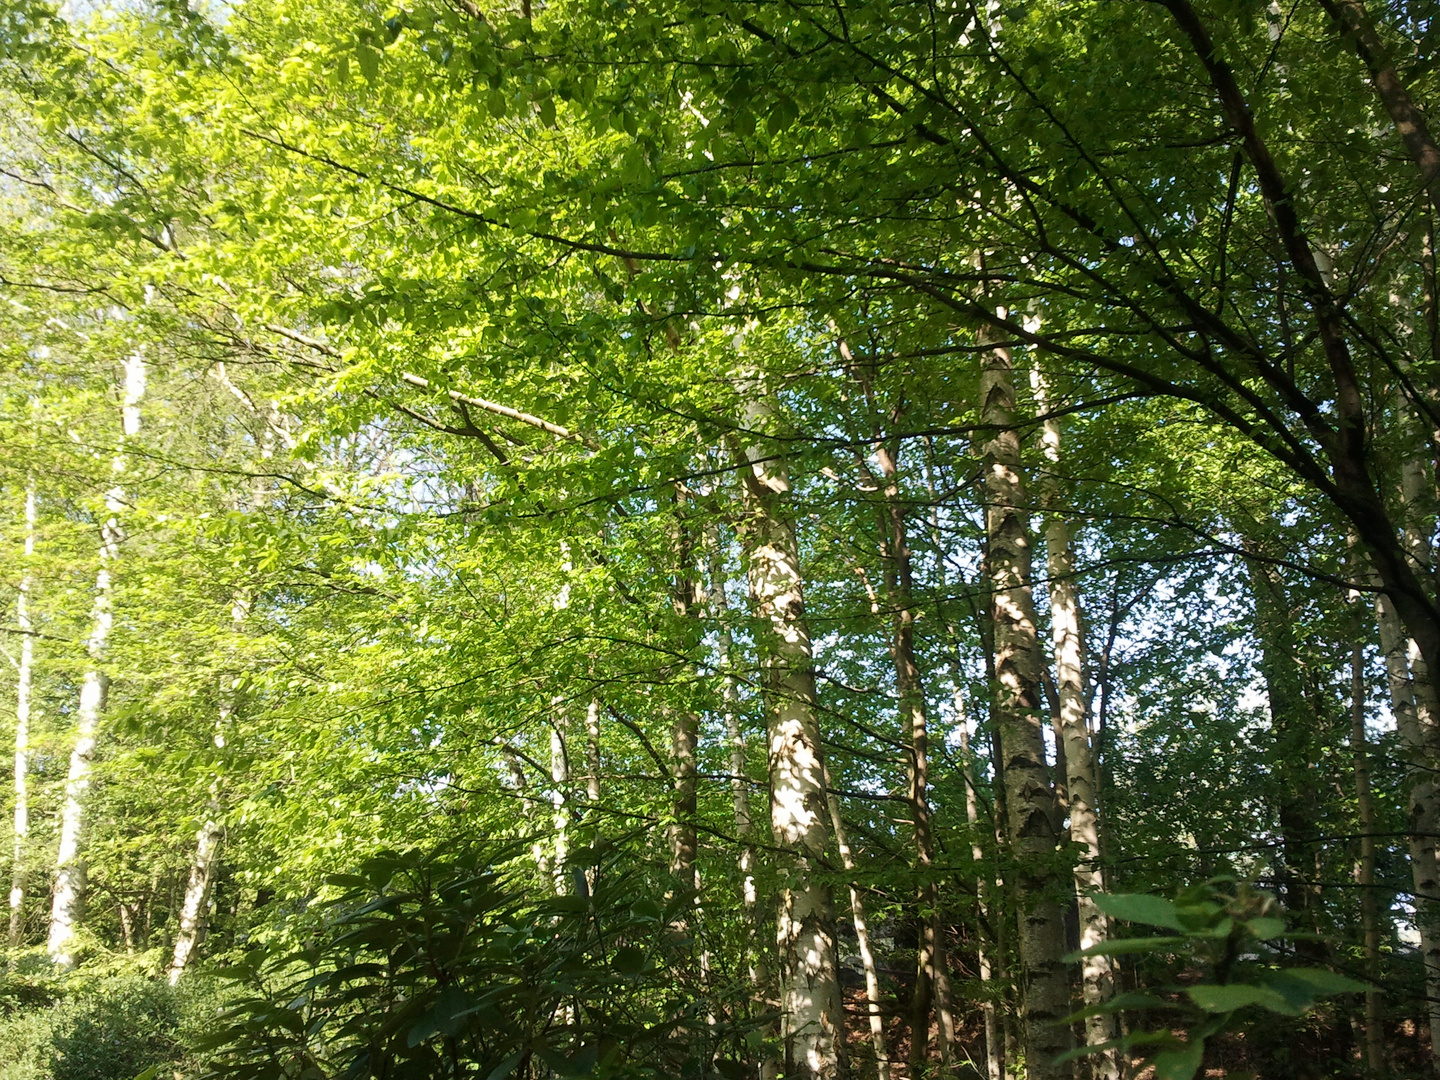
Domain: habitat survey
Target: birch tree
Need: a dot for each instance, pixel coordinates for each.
(69, 889)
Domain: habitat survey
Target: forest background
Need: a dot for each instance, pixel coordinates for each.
(721, 538)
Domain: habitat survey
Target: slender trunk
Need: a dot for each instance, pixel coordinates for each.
(1365, 870)
(69, 892)
(1354, 23)
(862, 938)
(994, 1041)
(23, 687)
(521, 786)
(1293, 718)
(809, 986)
(685, 723)
(592, 752)
(739, 767)
(560, 799)
(1415, 714)
(1074, 748)
(195, 906)
(931, 978)
(1029, 798)
(757, 967)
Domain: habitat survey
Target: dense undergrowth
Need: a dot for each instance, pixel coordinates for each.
(449, 964)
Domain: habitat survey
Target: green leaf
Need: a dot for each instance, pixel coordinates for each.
(1224, 999)
(1323, 981)
(506, 1067)
(1124, 946)
(443, 1017)
(628, 960)
(1121, 1002)
(369, 60)
(1266, 927)
(1141, 908)
(1180, 1063)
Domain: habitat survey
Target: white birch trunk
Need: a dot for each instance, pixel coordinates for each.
(69, 893)
(1029, 798)
(560, 801)
(810, 1003)
(1082, 789)
(195, 907)
(23, 686)
(592, 752)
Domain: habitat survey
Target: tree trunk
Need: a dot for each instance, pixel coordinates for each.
(24, 676)
(1029, 798)
(1074, 748)
(1353, 21)
(757, 967)
(810, 1004)
(739, 767)
(932, 983)
(994, 1040)
(560, 797)
(195, 907)
(862, 938)
(1415, 715)
(1365, 870)
(685, 723)
(69, 892)
(592, 752)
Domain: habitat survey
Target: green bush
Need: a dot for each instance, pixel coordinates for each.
(25, 1048)
(106, 1027)
(435, 967)
(121, 1029)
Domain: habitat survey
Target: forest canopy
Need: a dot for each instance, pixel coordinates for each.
(702, 539)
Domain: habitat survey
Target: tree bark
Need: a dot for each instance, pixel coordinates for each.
(1029, 798)
(592, 752)
(809, 986)
(739, 766)
(69, 892)
(1415, 714)
(932, 983)
(194, 908)
(1365, 869)
(1082, 787)
(862, 938)
(994, 1039)
(24, 676)
(685, 722)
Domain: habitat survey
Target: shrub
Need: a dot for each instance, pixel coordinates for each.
(439, 966)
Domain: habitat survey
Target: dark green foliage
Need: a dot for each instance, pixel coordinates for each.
(440, 966)
(1226, 930)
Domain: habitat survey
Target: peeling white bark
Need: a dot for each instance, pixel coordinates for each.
(1029, 798)
(69, 892)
